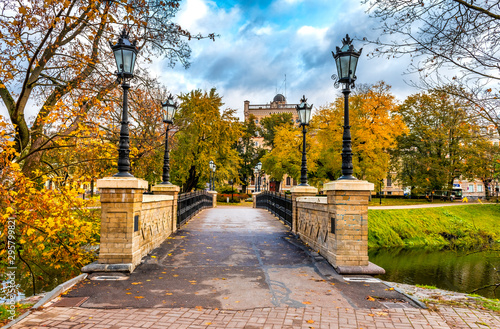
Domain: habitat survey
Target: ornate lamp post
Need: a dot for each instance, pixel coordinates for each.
(256, 173)
(346, 60)
(259, 168)
(169, 109)
(304, 111)
(125, 55)
(211, 165)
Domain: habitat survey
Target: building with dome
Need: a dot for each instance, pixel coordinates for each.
(260, 111)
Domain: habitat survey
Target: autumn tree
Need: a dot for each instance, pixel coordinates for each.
(375, 125)
(204, 133)
(57, 64)
(269, 125)
(286, 156)
(440, 140)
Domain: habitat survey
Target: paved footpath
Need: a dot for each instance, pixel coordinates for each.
(235, 267)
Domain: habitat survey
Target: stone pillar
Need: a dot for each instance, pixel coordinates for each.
(121, 204)
(348, 212)
(254, 199)
(214, 200)
(298, 191)
(173, 190)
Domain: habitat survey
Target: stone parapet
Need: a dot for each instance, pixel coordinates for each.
(337, 226)
(299, 191)
(171, 190)
(133, 224)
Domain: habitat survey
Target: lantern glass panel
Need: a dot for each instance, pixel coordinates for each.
(119, 60)
(307, 115)
(344, 66)
(128, 59)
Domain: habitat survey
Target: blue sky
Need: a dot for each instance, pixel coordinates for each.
(262, 41)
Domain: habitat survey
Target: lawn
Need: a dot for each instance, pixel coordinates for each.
(401, 201)
(464, 226)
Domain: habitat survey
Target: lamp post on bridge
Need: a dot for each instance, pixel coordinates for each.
(259, 168)
(125, 54)
(304, 111)
(211, 165)
(169, 109)
(346, 60)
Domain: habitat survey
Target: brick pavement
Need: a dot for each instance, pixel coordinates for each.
(261, 318)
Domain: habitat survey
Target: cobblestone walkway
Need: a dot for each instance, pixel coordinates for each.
(261, 318)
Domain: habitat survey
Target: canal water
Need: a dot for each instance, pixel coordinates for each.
(462, 271)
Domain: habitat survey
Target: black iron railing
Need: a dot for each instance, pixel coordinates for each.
(280, 205)
(189, 204)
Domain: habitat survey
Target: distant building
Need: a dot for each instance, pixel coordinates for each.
(260, 111)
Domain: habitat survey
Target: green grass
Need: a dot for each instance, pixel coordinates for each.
(400, 202)
(461, 226)
(424, 286)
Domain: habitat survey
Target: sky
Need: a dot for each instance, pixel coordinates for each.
(261, 42)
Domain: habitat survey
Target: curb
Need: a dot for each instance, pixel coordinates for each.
(48, 297)
(412, 298)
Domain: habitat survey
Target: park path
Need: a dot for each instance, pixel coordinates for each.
(238, 267)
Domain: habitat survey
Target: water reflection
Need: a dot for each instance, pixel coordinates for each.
(462, 271)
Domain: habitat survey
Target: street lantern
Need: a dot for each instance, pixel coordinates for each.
(304, 111)
(256, 172)
(125, 55)
(211, 165)
(169, 108)
(346, 59)
(259, 166)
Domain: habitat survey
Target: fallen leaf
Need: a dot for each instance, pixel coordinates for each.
(129, 293)
(153, 256)
(225, 298)
(370, 298)
(370, 314)
(176, 275)
(382, 313)
(138, 297)
(208, 323)
(307, 303)
(310, 321)
(136, 282)
(168, 293)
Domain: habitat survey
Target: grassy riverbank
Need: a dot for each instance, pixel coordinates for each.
(461, 226)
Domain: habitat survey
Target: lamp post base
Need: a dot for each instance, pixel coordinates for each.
(349, 177)
(123, 174)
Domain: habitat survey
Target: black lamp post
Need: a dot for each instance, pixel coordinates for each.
(169, 109)
(304, 111)
(259, 168)
(256, 172)
(211, 165)
(346, 59)
(125, 54)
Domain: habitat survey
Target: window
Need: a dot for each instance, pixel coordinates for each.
(294, 182)
(389, 181)
(470, 188)
(389, 193)
(257, 144)
(288, 181)
(480, 188)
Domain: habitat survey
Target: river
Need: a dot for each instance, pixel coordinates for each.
(462, 271)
